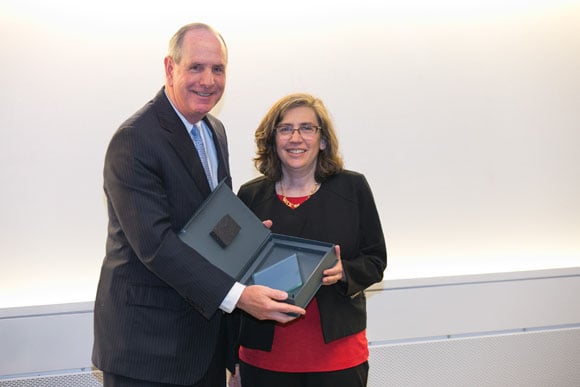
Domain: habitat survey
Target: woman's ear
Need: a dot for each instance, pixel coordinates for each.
(322, 144)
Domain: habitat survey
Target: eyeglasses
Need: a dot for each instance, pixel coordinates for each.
(306, 131)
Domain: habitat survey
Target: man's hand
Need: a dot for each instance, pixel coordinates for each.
(265, 303)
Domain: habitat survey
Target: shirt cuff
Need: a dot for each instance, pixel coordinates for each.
(229, 303)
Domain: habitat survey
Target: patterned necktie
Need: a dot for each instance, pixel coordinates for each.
(197, 140)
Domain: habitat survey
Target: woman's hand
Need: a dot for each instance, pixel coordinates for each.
(335, 273)
(235, 380)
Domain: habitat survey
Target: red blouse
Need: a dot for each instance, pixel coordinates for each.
(299, 345)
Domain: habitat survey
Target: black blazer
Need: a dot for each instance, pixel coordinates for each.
(342, 212)
(157, 311)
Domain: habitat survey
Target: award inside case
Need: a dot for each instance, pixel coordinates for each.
(230, 236)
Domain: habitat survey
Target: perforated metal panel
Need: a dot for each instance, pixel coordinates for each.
(526, 359)
(83, 379)
(531, 359)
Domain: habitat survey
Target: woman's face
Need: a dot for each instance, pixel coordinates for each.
(296, 153)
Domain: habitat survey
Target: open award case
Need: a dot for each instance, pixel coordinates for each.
(230, 236)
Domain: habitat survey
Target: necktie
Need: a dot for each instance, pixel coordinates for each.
(198, 142)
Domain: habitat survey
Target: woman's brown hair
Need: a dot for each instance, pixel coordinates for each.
(328, 163)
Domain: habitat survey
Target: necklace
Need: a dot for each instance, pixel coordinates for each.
(296, 205)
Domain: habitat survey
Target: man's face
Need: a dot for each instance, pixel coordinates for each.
(196, 84)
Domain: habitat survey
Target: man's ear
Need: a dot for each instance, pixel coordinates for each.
(169, 65)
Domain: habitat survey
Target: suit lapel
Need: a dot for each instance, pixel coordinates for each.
(180, 140)
(220, 141)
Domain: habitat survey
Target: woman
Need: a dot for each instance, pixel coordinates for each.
(306, 192)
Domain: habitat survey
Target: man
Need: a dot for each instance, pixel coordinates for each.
(161, 309)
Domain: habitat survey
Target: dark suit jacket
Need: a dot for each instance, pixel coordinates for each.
(157, 311)
(342, 212)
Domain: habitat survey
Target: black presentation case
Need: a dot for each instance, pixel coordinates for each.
(229, 235)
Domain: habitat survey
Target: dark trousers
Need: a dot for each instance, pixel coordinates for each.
(214, 377)
(112, 380)
(350, 377)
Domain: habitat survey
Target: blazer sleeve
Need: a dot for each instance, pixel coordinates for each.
(368, 266)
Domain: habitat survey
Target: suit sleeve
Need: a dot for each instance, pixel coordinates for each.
(137, 175)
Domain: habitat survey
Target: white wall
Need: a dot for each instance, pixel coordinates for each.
(462, 114)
